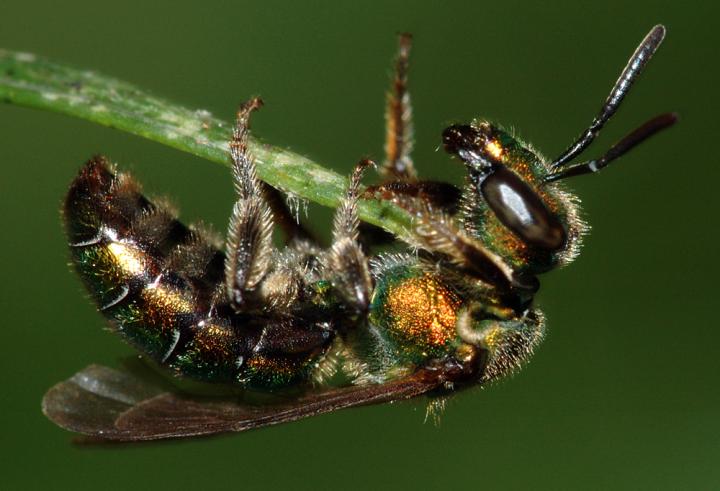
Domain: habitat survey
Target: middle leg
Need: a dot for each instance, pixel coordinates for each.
(346, 263)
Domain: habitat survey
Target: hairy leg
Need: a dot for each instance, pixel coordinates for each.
(400, 181)
(509, 341)
(346, 263)
(249, 239)
(398, 164)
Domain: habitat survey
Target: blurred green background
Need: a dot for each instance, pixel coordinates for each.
(622, 395)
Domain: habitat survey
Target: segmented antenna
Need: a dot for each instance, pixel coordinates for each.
(629, 75)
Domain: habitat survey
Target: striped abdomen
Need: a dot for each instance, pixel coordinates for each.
(158, 283)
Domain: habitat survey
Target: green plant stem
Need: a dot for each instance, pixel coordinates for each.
(28, 80)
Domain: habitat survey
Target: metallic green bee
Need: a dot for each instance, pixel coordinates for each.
(345, 326)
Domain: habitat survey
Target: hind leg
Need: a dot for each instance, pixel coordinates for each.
(249, 238)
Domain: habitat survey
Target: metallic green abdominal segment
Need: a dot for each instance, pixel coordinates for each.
(166, 307)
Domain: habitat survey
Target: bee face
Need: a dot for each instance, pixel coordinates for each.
(508, 177)
(508, 205)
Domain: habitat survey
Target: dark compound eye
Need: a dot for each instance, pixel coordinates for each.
(514, 202)
(521, 210)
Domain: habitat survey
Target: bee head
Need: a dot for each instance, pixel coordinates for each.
(507, 194)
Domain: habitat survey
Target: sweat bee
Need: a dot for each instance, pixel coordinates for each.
(339, 326)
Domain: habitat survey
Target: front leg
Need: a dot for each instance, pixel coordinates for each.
(438, 233)
(509, 339)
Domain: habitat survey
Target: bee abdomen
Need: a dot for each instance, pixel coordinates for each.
(121, 245)
(159, 283)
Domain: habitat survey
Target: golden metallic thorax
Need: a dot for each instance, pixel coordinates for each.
(423, 311)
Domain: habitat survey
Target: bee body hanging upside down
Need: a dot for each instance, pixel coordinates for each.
(455, 312)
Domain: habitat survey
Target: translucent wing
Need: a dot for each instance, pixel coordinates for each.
(112, 405)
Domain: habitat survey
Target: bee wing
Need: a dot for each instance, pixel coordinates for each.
(111, 405)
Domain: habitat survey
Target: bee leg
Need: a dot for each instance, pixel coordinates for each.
(437, 232)
(431, 194)
(434, 194)
(249, 238)
(346, 263)
(398, 164)
(509, 342)
(398, 171)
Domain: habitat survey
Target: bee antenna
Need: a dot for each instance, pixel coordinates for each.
(630, 73)
(635, 137)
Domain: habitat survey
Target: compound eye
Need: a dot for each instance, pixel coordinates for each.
(521, 210)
